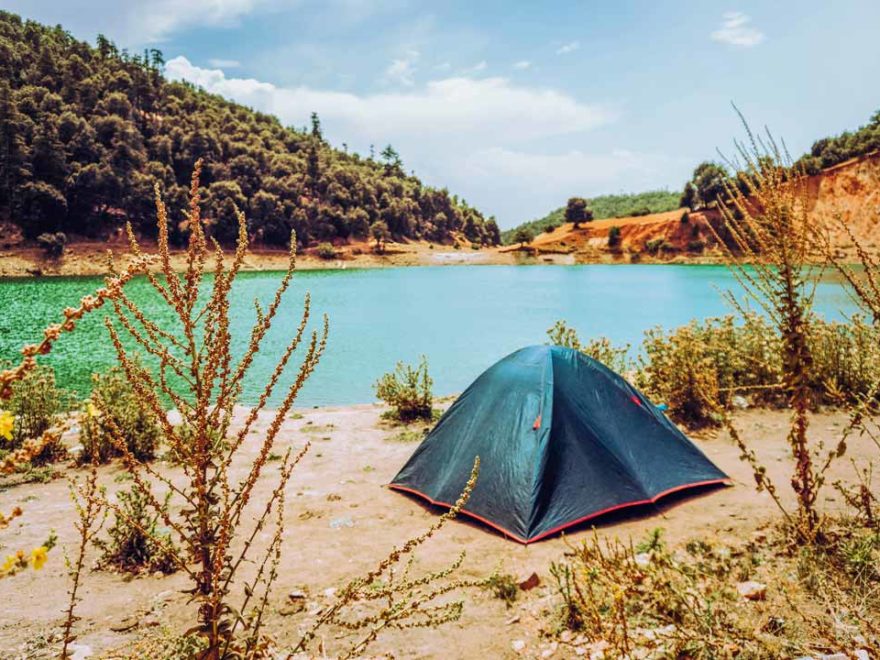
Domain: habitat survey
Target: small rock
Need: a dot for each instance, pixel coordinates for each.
(128, 623)
(174, 417)
(79, 651)
(338, 523)
(566, 636)
(297, 595)
(530, 582)
(518, 645)
(512, 620)
(330, 593)
(643, 559)
(862, 654)
(739, 402)
(752, 590)
(834, 656)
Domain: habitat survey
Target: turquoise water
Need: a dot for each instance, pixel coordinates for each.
(462, 318)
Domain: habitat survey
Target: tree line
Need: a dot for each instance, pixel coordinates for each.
(87, 131)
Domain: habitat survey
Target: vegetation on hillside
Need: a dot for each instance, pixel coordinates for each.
(86, 131)
(849, 144)
(604, 206)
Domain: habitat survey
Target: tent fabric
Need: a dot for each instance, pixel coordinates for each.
(561, 439)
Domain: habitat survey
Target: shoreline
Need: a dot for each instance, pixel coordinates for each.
(90, 259)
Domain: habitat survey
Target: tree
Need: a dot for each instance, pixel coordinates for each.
(391, 159)
(316, 127)
(576, 211)
(523, 235)
(492, 232)
(379, 231)
(708, 182)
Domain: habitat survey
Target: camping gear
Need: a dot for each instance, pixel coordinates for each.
(561, 439)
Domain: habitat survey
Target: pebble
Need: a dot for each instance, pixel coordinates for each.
(79, 651)
(530, 582)
(752, 590)
(518, 645)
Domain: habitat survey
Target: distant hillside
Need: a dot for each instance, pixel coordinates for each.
(606, 206)
(86, 131)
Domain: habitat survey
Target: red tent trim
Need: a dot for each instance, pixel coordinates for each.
(559, 528)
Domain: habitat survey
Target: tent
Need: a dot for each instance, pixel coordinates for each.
(561, 439)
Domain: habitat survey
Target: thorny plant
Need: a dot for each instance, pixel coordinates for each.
(88, 499)
(862, 279)
(771, 240)
(197, 372)
(638, 598)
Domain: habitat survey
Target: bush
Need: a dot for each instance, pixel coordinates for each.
(53, 244)
(325, 251)
(549, 229)
(696, 246)
(685, 218)
(115, 404)
(408, 391)
(34, 404)
(136, 543)
(614, 237)
(599, 349)
(656, 245)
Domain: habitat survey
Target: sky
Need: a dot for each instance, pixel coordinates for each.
(516, 106)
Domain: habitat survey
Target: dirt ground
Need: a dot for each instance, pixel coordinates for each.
(342, 520)
(91, 258)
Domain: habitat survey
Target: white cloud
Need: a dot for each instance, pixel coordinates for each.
(402, 70)
(220, 63)
(736, 30)
(570, 47)
(482, 65)
(522, 64)
(158, 19)
(471, 134)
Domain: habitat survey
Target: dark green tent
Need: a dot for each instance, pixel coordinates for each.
(561, 439)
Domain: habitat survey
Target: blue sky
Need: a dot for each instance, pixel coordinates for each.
(517, 106)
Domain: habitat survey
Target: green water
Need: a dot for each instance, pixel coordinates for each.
(463, 318)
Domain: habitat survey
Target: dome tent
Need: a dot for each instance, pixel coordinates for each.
(561, 439)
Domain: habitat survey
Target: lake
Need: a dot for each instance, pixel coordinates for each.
(463, 318)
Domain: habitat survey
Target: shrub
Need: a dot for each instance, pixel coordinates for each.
(115, 413)
(549, 229)
(616, 358)
(136, 543)
(35, 402)
(614, 237)
(325, 251)
(407, 390)
(696, 246)
(53, 244)
(685, 218)
(656, 245)
(504, 587)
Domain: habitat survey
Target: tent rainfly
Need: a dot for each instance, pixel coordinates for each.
(561, 439)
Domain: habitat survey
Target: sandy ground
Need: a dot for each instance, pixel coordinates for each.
(341, 520)
(91, 258)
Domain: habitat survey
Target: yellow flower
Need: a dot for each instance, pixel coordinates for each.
(39, 557)
(92, 410)
(6, 422)
(8, 564)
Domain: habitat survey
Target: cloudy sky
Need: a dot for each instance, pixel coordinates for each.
(516, 106)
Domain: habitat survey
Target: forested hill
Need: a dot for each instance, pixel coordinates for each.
(605, 206)
(86, 131)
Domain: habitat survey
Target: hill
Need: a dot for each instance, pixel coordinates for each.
(849, 190)
(605, 206)
(85, 132)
